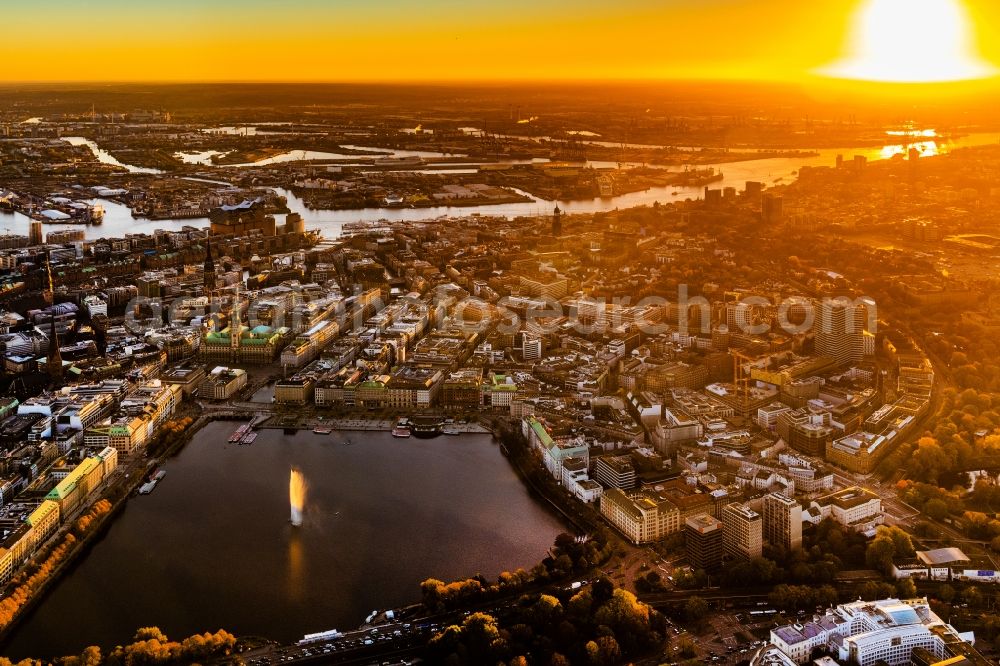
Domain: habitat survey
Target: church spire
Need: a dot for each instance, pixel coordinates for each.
(53, 362)
(209, 277)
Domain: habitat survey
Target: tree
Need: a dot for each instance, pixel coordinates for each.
(972, 596)
(696, 609)
(602, 589)
(929, 461)
(880, 553)
(546, 610)
(603, 651)
(946, 593)
(936, 509)
(685, 647)
(627, 617)
(906, 589)
(479, 632)
(900, 540)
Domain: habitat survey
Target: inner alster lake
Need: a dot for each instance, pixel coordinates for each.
(212, 546)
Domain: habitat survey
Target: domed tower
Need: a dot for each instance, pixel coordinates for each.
(557, 222)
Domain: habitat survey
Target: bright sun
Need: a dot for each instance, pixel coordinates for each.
(911, 41)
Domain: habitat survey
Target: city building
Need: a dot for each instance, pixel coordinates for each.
(463, 389)
(531, 348)
(615, 472)
(552, 451)
(782, 521)
(222, 383)
(577, 482)
(295, 390)
(44, 521)
(499, 391)
(854, 507)
(887, 631)
(703, 542)
(641, 516)
(742, 531)
(840, 327)
(185, 377)
(858, 452)
(77, 484)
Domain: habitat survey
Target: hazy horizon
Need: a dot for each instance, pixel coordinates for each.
(440, 40)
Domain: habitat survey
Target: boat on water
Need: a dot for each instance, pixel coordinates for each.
(150, 485)
(450, 430)
(402, 428)
(249, 438)
(239, 433)
(426, 426)
(322, 431)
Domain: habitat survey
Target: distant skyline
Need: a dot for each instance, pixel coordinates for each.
(446, 40)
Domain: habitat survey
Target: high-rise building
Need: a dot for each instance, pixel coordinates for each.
(782, 521)
(742, 531)
(557, 222)
(35, 232)
(840, 330)
(531, 348)
(772, 208)
(703, 542)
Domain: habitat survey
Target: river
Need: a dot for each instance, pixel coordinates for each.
(118, 218)
(212, 546)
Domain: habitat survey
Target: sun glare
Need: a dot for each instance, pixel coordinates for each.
(911, 42)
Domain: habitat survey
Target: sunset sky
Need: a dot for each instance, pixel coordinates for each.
(407, 40)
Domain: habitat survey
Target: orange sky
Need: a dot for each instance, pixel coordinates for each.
(391, 40)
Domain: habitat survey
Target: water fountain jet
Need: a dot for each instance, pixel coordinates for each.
(297, 487)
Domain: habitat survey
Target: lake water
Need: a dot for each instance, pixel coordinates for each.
(212, 546)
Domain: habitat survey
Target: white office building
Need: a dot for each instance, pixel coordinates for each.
(866, 632)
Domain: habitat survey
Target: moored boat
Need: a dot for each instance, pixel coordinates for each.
(426, 426)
